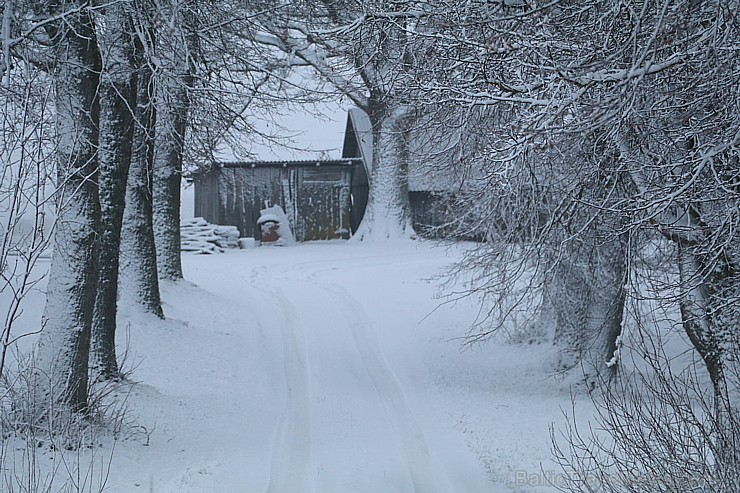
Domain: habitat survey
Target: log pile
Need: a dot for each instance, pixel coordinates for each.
(199, 236)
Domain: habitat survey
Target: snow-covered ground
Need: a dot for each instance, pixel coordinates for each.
(329, 367)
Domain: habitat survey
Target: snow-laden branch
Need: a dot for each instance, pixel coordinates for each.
(487, 99)
(684, 227)
(615, 75)
(45, 21)
(288, 46)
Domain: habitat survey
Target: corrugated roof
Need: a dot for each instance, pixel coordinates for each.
(295, 163)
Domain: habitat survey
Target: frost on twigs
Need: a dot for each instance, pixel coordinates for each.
(45, 446)
(663, 431)
(28, 408)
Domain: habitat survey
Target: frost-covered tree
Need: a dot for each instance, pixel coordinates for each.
(117, 102)
(581, 90)
(105, 62)
(621, 119)
(138, 253)
(212, 82)
(361, 49)
(173, 80)
(64, 343)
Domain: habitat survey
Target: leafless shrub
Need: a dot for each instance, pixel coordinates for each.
(657, 429)
(24, 178)
(29, 467)
(60, 450)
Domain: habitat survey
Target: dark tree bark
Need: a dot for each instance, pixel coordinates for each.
(118, 98)
(138, 255)
(176, 48)
(702, 295)
(172, 116)
(64, 344)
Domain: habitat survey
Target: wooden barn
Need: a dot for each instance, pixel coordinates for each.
(323, 199)
(430, 180)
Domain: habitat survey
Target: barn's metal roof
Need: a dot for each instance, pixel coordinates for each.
(305, 163)
(361, 146)
(431, 153)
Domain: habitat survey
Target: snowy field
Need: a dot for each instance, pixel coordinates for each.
(329, 367)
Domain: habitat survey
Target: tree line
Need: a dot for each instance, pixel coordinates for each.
(593, 145)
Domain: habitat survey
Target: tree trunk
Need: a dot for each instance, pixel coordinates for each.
(176, 49)
(587, 295)
(388, 211)
(695, 282)
(118, 97)
(606, 310)
(63, 347)
(138, 255)
(172, 114)
(698, 282)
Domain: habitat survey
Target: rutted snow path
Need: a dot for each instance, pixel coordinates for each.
(316, 369)
(347, 425)
(391, 394)
(321, 368)
(291, 457)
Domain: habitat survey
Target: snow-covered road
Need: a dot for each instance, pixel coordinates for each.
(322, 368)
(346, 424)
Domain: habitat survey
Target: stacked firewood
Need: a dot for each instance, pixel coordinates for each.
(199, 236)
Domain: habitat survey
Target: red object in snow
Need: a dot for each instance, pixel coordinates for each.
(269, 228)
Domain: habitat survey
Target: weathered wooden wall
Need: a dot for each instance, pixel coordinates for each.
(244, 191)
(207, 203)
(323, 203)
(315, 199)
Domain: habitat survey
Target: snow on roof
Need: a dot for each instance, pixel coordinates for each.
(363, 133)
(292, 163)
(430, 154)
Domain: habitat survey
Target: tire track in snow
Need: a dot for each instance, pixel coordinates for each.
(291, 448)
(388, 387)
(312, 269)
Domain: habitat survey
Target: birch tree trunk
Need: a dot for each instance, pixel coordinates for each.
(138, 255)
(118, 98)
(63, 347)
